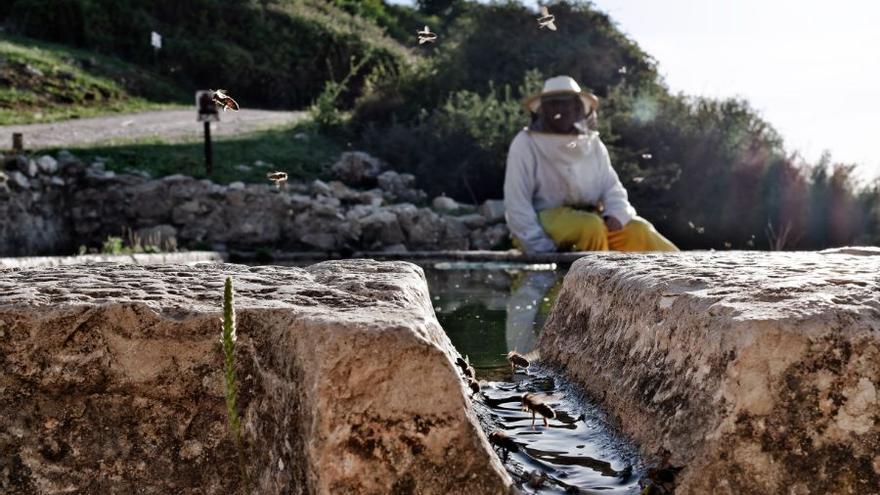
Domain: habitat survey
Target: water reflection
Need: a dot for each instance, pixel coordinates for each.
(486, 314)
(529, 295)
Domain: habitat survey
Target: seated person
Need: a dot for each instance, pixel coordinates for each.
(560, 192)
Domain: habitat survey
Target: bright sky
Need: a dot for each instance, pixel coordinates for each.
(811, 68)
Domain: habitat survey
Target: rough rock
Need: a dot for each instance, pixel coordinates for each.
(493, 210)
(473, 220)
(445, 203)
(84, 205)
(47, 164)
(162, 236)
(380, 229)
(400, 187)
(758, 372)
(113, 382)
(319, 188)
(490, 237)
(357, 168)
(30, 169)
(19, 179)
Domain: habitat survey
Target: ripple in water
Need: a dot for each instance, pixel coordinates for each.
(486, 314)
(575, 453)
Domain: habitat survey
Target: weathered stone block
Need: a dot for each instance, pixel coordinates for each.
(113, 383)
(758, 372)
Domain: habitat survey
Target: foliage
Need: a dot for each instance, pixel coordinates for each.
(324, 111)
(708, 173)
(112, 245)
(459, 148)
(228, 338)
(132, 243)
(42, 82)
(275, 53)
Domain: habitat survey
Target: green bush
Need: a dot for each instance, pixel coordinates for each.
(460, 148)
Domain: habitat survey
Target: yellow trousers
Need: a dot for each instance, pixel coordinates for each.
(584, 231)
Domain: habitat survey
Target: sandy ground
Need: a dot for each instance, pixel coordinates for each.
(169, 125)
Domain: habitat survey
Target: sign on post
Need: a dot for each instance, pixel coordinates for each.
(207, 108)
(156, 40)
(207, 113)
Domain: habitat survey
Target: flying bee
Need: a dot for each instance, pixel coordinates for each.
(622, 70)
(279, 178)
(546, 19)
(426, 36)
(223, 100)
(534, 405)
(557, 116)
(503, 441)
(647, 156)
(517, 360)
(638, 180)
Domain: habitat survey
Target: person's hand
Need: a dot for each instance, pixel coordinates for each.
(613, 224)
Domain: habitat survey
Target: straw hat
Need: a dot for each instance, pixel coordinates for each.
(562, 85)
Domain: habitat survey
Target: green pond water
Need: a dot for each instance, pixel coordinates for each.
(490, 309)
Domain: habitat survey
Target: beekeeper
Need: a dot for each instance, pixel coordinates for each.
(560, 191)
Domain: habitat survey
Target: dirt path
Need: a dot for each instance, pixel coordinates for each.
(169, 125)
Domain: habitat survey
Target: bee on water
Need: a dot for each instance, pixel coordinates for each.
(426, 36)
(533, 404)
(503, 441)
(517, 360)
(466, 368)
(474, 386)
(223, 100)
(546, 19)
(279, 178)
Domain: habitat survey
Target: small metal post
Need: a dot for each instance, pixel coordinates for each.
(209, 158)
(17, 142)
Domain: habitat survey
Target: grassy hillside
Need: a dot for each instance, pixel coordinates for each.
(43, 82)
(270, 53)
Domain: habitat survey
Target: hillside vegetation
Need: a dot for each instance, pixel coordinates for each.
(271, 53)
(46, 82)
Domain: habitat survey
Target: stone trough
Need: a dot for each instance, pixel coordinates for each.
(112, 383)
(758, 373)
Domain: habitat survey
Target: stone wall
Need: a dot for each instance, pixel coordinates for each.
(56, 208)
(758, 372)
(112, 383)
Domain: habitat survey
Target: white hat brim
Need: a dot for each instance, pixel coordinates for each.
(533, 102)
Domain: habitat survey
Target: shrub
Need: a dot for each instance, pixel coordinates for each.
(461, 147)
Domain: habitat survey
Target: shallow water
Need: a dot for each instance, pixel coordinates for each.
(488, 312)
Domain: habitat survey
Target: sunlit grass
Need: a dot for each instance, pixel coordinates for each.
(295, 149)
(228, 338)
(45, 82)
